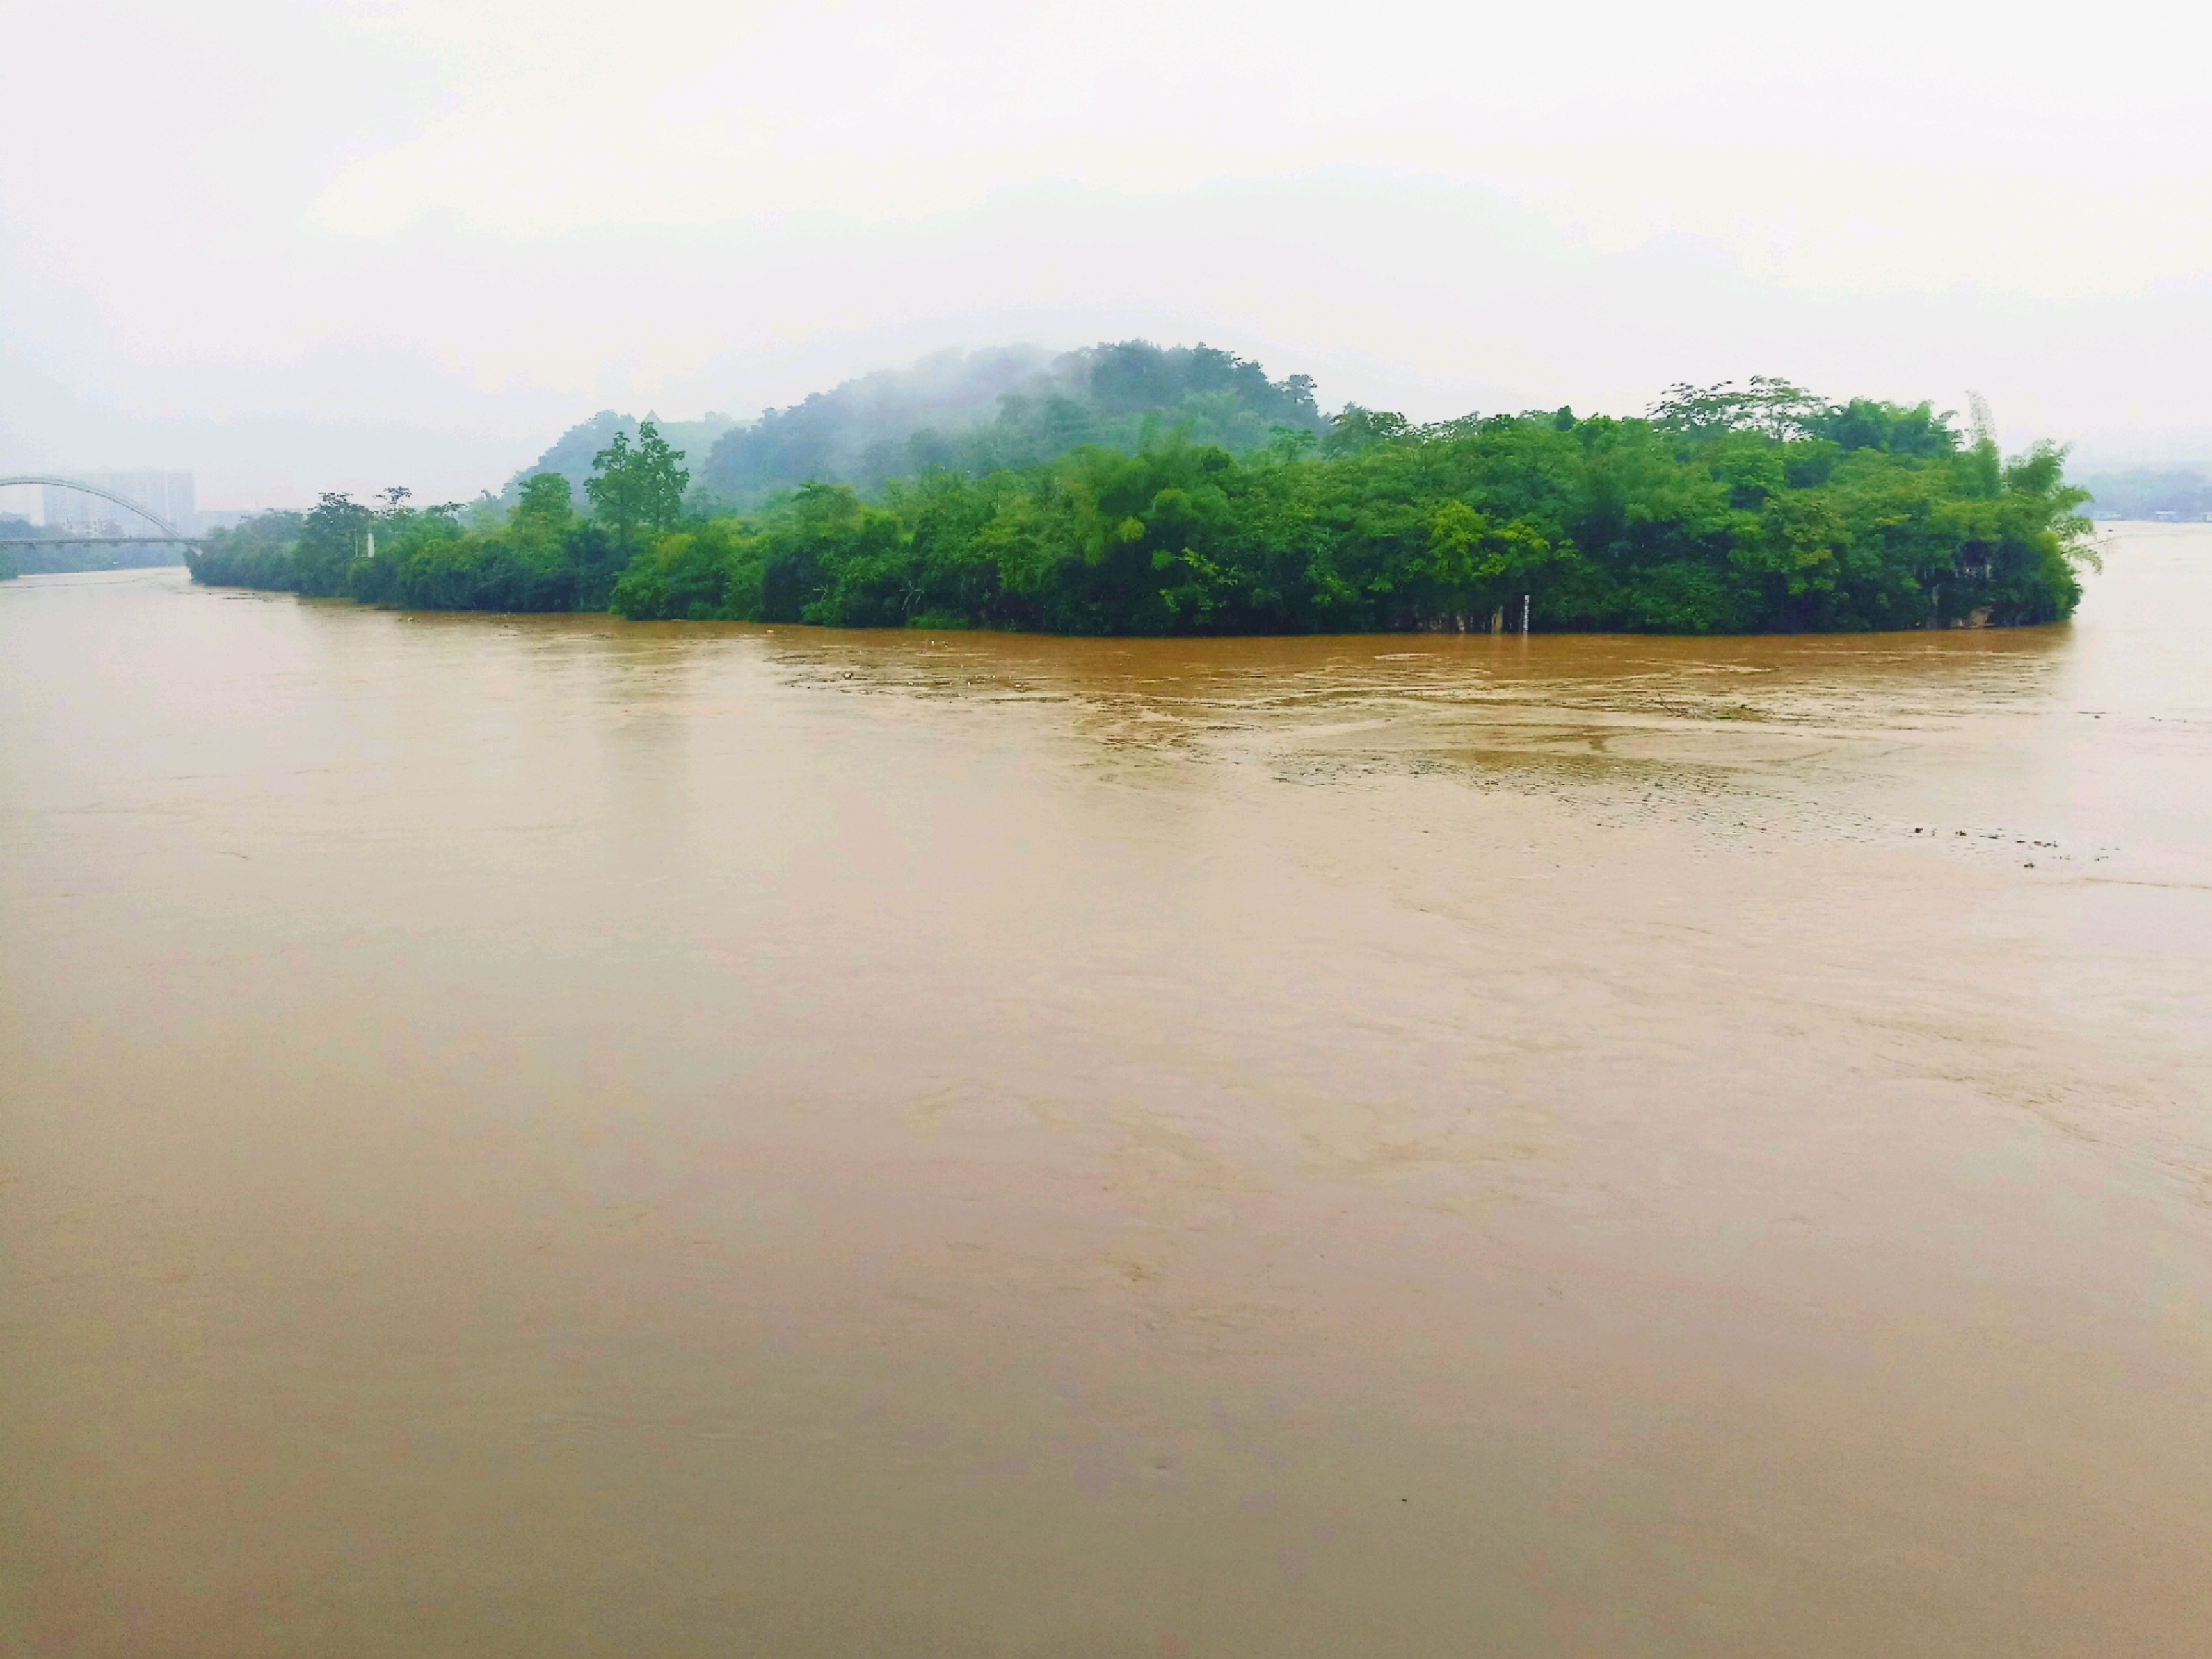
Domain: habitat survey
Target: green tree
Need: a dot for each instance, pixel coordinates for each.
(637, 488)
(546, 511)
(1354, 427)
(1472, 565)
(331, 538)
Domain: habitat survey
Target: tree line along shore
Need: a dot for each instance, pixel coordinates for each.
(1724, 510)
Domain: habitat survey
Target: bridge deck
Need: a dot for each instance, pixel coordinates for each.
(98, 541)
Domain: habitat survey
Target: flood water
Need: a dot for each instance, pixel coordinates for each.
(533, 1137)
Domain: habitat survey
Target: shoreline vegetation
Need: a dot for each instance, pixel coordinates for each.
(1134, 490)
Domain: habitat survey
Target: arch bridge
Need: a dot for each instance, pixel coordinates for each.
(169, 532)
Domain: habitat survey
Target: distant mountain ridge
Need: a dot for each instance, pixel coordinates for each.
(968, 411)
(2149, 493)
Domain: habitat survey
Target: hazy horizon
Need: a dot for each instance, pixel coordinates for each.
(345, 245)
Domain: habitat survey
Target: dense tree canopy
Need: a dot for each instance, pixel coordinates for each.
(1726, 510)
(544, 558)
(1722, 513)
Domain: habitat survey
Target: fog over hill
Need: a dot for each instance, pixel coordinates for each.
(571, 453)
(966, 411)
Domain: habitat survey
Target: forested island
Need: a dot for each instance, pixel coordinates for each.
(1130, 490)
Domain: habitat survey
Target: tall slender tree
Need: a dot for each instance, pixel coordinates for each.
(639, 487)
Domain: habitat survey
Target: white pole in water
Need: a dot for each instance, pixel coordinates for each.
(1524, 613)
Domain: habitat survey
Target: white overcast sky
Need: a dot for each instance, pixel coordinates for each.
(306, 245)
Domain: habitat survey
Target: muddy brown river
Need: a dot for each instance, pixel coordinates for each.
(549, 1137)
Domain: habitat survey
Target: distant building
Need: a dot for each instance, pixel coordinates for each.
(167, 494)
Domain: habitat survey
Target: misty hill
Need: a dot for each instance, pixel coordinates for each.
(972, 412)
(841, 435)
(978, 412)
(2145, 493)
(571, 453)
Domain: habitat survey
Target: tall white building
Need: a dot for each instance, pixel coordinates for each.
(168, 494)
